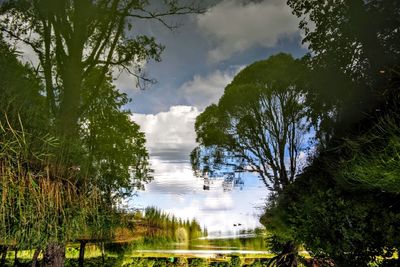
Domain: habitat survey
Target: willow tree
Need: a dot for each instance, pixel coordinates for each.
(259, 124)
(71, 38)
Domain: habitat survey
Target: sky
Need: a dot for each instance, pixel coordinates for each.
(200, 59)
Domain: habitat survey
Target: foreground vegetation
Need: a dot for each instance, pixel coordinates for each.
(161, 262)
(323, 133)
(69, 151)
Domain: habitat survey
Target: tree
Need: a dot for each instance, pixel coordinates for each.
(20, 93)
(78, 44)
(355, 57)
(345, 223)
(258, 125)
(344, 32)
(72, 38)
(341, 206)
(117, 159)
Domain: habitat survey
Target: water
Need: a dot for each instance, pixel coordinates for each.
(223, 209)
(202, 253)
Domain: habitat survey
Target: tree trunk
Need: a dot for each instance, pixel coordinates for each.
(70, 102)
(288, 256)
(82, 253)
(3, 256)
(289, 253)
(54, 255)
(16, 261)
(35, 257)
(103, 252)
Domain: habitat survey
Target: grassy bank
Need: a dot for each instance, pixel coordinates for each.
(165, 260)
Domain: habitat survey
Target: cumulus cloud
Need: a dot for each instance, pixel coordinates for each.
(202, 91)
(170, 135)
(237, 25)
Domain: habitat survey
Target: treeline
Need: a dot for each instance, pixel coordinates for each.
(322, 132)
(158, 224)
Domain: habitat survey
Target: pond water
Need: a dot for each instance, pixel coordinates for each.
(202, 253)
(224, 207)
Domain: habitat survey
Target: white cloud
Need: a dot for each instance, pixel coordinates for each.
(236, 26)
(202, 91)
(170, 134)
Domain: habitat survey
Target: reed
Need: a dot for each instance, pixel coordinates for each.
(40, 201)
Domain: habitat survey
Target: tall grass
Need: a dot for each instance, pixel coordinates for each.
(374, 160)
(40, 202)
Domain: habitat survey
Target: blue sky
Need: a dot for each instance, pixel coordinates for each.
(231, 34)
(200, 59)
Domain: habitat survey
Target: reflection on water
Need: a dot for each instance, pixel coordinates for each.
(223, 206)
(203, 253)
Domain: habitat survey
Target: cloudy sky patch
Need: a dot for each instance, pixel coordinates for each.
(169, 135)
(203, 91)
(236, 26)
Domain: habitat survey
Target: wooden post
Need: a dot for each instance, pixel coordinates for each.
(3, 255)
(54, 255)
(16, 262)
(103, 252)
(82, 252)
(35, 257)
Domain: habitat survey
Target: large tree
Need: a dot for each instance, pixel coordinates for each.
(355, 50)
(259, 124)
(117, 159)
(72, 38)
(342, 206)
(79, 43)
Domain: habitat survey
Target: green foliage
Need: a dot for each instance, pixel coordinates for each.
(344, 34)
(198, 262)
(374, 157)
(151, 262)
(115, 147)
(352, 223)
(343, 206)
(235, 261)
(258, 123)
(109, 159)
(37, 206)
(98, 261)
(20, 93)
(355, 59)
(73, 38)
(162, 225)
(219, 264)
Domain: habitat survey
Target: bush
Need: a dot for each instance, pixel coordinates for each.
(235, 261)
